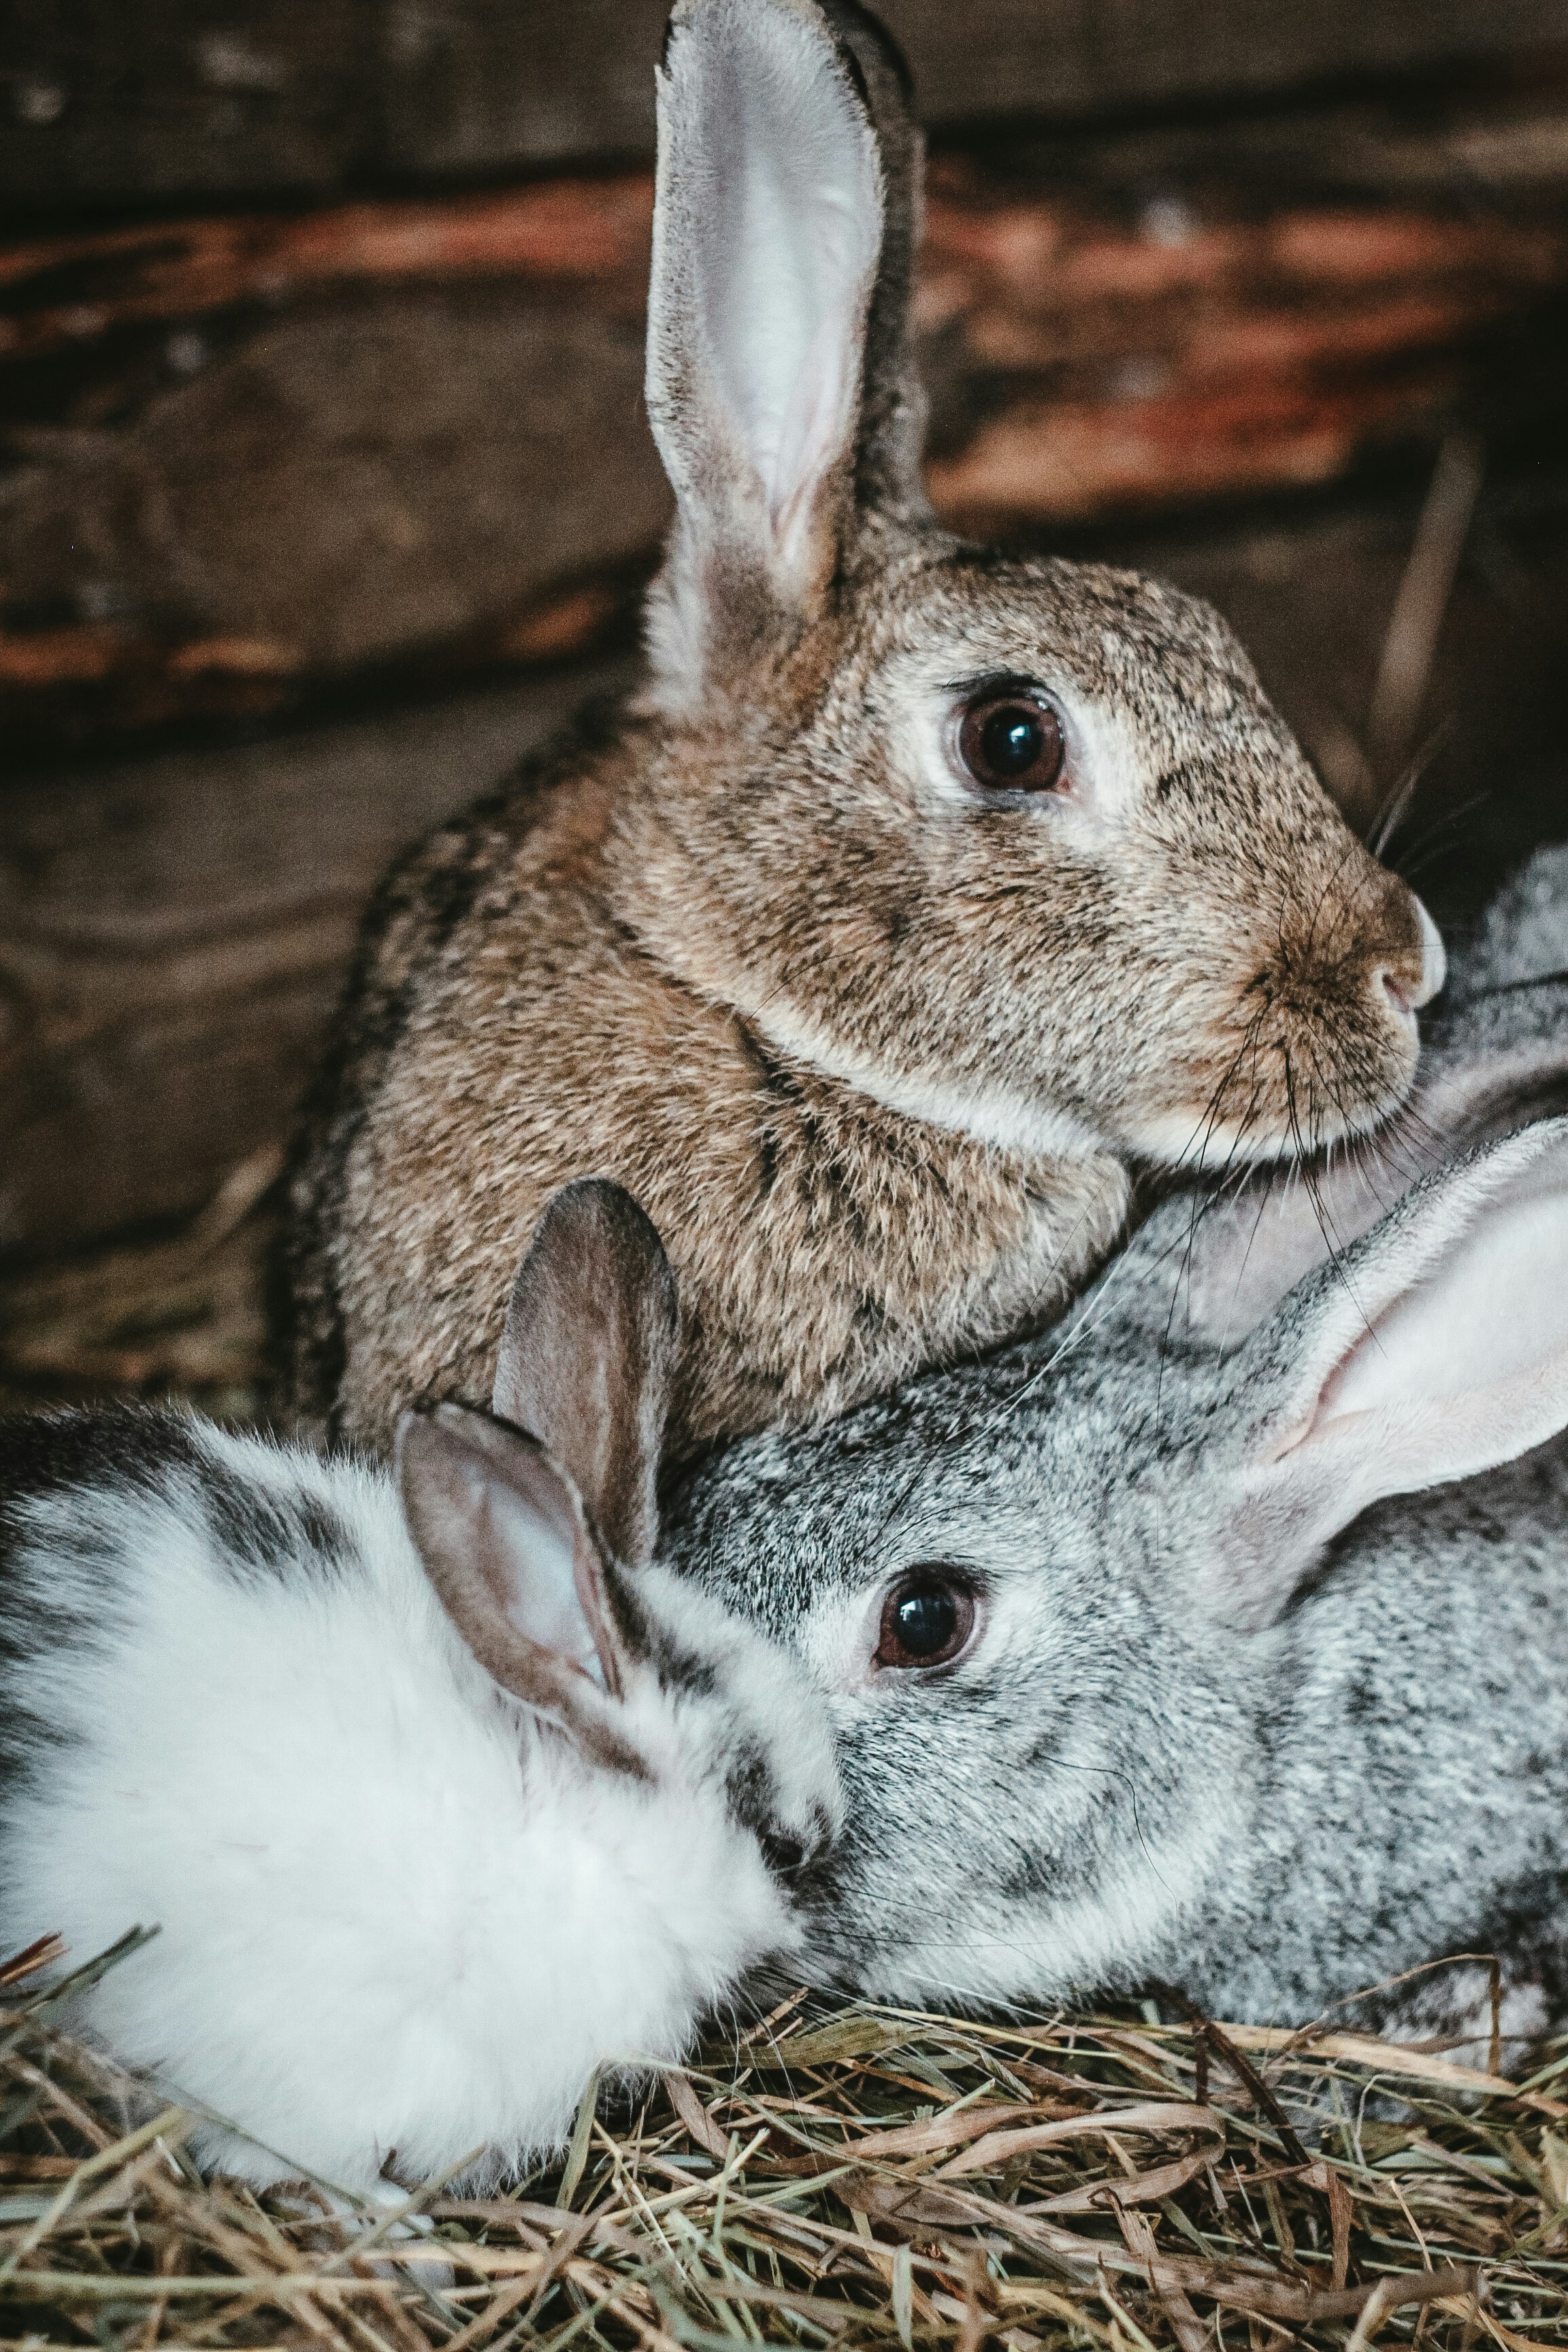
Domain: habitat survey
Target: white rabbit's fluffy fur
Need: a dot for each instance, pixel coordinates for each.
(398, 1915)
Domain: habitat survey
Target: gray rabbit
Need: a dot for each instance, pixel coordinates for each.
(1139, 1671)
(1506, 993)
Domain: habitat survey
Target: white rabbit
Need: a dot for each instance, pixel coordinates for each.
(1138, 1675)
(439, 1801)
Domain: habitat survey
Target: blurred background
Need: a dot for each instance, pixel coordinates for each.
(325, 491)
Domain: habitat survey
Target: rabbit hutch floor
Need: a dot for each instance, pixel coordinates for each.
(862, 2178)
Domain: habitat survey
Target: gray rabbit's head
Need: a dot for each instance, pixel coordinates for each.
(1104, 1661)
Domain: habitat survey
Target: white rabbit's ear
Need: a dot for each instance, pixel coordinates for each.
(768, 231)
(1436, 1348)
(509, 1550)
(588, 1355)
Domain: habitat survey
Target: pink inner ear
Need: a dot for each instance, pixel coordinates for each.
(1465, 1366)
(541, 1600)
(782, 248)
(815, 422)
(1495, 1309)
(554, 1592)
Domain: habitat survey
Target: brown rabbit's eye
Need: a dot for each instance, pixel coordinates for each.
(927, 1620)
(1010, 743)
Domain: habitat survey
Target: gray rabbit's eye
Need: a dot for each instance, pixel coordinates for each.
(927, 1620)
(1010, 742)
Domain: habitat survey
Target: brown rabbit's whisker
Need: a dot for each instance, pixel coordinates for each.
(1420, 854)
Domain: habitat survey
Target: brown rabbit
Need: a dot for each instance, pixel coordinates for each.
(917, 892)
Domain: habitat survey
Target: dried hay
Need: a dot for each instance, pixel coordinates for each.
(873, 2178)
(185, 1314)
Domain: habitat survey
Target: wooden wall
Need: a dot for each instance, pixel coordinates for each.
(131, 101)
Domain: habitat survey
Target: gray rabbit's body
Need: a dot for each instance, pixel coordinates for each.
(1408, 1760)
(1237, 1695)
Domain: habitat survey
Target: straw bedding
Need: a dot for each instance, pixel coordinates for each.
(873, 2177)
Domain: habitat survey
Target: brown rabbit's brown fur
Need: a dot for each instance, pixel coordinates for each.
(872, 1045)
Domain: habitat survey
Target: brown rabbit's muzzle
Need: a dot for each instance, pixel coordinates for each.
(1335, 1006)
(1304, 1030)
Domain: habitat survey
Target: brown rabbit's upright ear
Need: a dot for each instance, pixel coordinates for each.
(778, 382)
(891, 436)
(588, 1354)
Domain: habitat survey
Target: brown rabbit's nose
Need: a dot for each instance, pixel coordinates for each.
(1413, 979)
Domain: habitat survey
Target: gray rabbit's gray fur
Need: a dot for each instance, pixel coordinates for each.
(1524, 936)
(1273, 1732)
(1509, 987)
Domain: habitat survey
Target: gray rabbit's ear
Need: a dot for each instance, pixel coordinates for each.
(588, 1356)
(1502, 1062)
(508, 1548)
(772, 335)
(1436, 1348)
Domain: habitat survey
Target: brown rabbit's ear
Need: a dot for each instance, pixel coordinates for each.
(891, 437)
(588, 1354)
(782, 236)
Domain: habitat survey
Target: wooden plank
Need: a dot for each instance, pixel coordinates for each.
(153, 100)
(173, 933)
(260, 454)
(450, 477)
(167, 98)
(70, 291)
(1019, 57)
(1202, 350)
